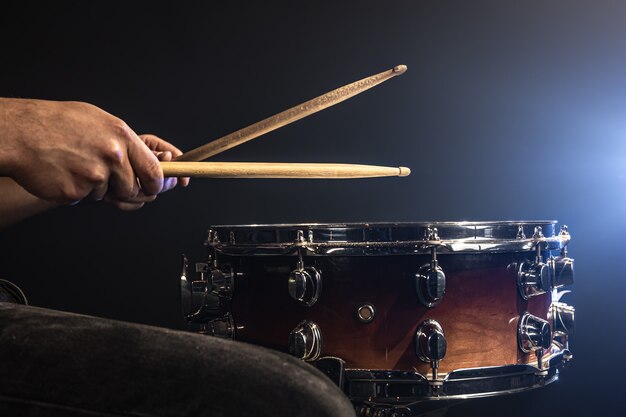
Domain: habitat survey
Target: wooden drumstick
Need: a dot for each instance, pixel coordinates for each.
(288, 116)
(278, 170)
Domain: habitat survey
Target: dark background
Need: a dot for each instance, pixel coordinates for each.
(509, 110)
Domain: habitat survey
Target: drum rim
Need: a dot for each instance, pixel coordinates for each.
(484, 381)
(385, 238)
(463, 223)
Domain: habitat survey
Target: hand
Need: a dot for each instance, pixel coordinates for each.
(68, 151)
(164, 151)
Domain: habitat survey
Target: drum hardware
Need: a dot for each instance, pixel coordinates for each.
(564, 234)
(220, 279)
(212, 238)
(430, 346)
(206, 298)
(305, 284)
(431, 234)
(300, 239)
(562, 317)
(562, 271)
(348, 238)
(223, 327)
(534, 336)
(382, 388)
(305, 341)
(366, 313)
(533, 278)
(520, 233)
(430, 281)
(373, 410)
(332, 367)
(197, 303)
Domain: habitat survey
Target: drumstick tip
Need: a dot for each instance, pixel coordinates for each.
(399, 70)
(404, 171)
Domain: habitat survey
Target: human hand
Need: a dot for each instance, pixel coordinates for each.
(164, 151)
(69, 151)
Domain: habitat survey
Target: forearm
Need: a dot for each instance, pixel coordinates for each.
(17, 204)
(9, 129)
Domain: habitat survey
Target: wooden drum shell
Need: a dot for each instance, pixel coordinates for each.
(479, 312)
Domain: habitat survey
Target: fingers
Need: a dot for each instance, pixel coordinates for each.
(98, 192)
(169, 182)
(123, 183)
(161, 147)
(184, 181)
(142, 165)
(157, 144)
(126, 206)
(132, 204)
(146, 166)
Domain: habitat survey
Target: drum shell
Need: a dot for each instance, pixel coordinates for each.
(479, 311)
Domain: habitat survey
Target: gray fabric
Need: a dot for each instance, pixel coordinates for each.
(62, 364)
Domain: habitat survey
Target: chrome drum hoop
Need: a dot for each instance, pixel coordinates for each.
(356, 239)
(406, 388)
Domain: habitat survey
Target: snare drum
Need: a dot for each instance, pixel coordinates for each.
(397, 314)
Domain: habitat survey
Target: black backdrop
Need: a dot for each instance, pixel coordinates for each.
(509, 110)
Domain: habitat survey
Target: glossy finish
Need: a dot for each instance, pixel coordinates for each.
(481, 304)
(381, 390)
(430, 342)
(355, 239)
(533, 279)
(200, 299)
(562, 271)
(562, 316)
(497, 312)
(366, 313)
(221, 327)
(431, 345)
(305, 341)
(222, 281)
(305, 285)
(430, 285)
(533, 333)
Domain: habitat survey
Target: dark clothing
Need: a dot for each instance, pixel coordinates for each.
(62, 364)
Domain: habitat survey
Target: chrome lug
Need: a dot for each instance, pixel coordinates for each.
(533, 333)
(430, 285)
(222, 281)
(562, 271)
(533, 279)
(221, 327)
(562, 316)
(305, 284)
(430, 344)
(305, 341)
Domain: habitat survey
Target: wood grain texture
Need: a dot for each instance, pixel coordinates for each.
(479, 311)
(289, 116)
(278, 170)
